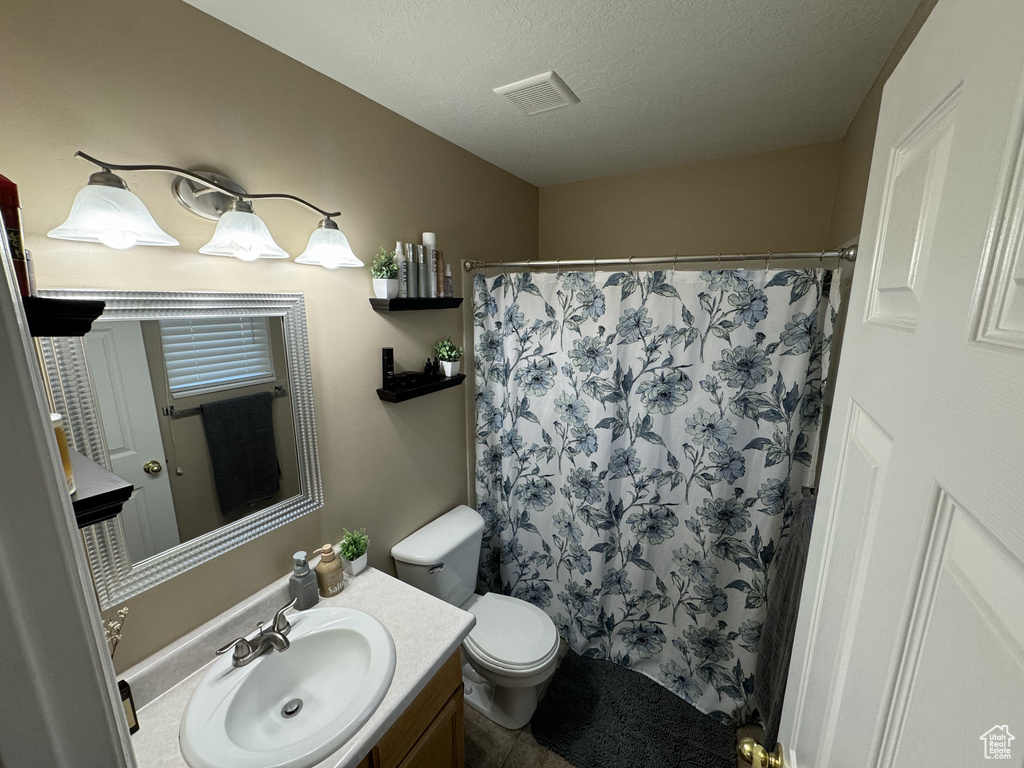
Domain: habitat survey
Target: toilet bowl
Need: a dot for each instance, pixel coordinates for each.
(512, 650)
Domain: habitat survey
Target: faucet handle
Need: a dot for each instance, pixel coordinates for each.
(281, 623)
(241, 648)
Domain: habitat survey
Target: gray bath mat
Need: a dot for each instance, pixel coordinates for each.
(597, 714)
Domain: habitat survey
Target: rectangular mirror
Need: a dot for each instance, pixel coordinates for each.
(203, 401)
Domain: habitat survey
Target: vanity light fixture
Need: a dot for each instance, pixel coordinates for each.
(328, 247)
(242, 234)
(105, 211)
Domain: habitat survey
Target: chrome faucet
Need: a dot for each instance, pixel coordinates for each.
(247, 649)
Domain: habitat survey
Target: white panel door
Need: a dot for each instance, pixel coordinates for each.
(117, 364)
(910, 643)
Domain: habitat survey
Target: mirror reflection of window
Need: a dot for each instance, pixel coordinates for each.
(211, 354)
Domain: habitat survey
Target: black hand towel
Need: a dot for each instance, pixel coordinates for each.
(240, 436)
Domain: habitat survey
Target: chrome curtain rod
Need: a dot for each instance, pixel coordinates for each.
(843, 254)
(206, 183)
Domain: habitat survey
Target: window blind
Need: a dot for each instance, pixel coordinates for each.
(210, 354)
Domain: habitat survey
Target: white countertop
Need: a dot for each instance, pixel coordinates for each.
(426, 632)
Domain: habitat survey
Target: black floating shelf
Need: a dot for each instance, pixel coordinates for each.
(404, 305)
(99, 494)
(61, 317)
(424, 389)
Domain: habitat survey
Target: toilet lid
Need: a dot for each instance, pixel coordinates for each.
(511, 632)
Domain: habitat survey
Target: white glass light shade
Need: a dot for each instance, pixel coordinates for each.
(329, 248)
(112, 216)
(244, 236)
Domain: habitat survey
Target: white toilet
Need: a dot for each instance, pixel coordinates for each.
(513, 649)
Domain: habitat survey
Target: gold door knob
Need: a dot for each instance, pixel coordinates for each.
(759, 757)
(152, 468)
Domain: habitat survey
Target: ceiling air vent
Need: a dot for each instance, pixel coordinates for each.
(539, 93)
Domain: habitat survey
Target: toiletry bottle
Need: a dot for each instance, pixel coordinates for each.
(403, 271)
(31, 268)
(10, 208)
(424, 278)
(330, 576)
(399, 261)
(429, 251)
(387, 366)
(57, 422)
(413, 272)
(440, 274)
(449, 286)
(128, 702)
(302, 583)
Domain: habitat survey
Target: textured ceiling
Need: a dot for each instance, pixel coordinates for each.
(661, 82)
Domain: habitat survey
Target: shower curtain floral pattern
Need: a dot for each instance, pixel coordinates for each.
(642, 439)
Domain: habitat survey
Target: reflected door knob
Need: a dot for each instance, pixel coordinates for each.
(152, 468)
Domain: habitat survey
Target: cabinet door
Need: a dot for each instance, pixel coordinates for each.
(441, 745)
(402, 738)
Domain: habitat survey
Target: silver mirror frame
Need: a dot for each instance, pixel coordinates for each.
(116, 578)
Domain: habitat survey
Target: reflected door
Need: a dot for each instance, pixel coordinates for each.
(117, 364)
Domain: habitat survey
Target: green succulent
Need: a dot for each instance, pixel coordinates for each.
(447, 351)
(353, 544)
(384, 267)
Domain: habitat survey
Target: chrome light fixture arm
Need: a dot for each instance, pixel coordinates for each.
(206, 183)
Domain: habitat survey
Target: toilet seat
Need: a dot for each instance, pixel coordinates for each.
(511, 636)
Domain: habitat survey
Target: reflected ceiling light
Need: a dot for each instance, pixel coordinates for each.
(242, 234)
(328, 247)
(106, 212)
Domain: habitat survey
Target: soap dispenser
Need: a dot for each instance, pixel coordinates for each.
(329, 573)
(302, 584)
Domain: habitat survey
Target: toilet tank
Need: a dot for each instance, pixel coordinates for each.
(452, 541)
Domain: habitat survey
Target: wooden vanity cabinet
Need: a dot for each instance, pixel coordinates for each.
(429, 734)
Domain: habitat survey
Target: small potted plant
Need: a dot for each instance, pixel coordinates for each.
(353, 551)
(385, 275)
(449, 355)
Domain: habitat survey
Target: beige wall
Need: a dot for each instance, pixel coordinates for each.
(160, 82)
(855, 163)
(773, 201)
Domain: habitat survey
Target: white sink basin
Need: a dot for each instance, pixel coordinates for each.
(339, 666)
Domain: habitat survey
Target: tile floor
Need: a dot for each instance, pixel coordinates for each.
(488, 745)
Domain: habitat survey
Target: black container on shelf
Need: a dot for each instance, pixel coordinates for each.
(387, 364)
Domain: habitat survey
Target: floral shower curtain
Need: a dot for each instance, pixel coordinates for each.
(642, 439)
